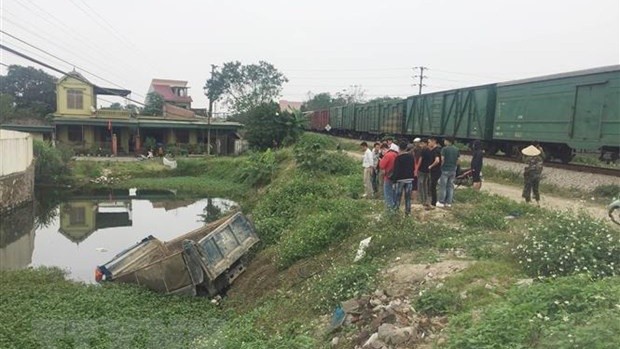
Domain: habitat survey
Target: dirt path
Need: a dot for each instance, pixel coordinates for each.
(546, 200)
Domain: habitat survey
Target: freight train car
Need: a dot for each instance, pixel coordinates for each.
(391, 114)
(564, 112)
(465, 113)
(319, 120)
(335, 119)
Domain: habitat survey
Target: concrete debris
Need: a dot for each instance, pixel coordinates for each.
(335, 341)
(524, 282)
(384, 321)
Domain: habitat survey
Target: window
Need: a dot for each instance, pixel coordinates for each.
(77, 215)
(226, 241)
(75, 99)
(75, 133)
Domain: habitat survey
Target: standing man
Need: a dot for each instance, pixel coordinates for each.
(532, 173)
(367, 164)
(403, 177)
(434, 167)
(424, 175)
(476, 164)
(386, 164)
(376, 155)
(392, 145)
(449, 161)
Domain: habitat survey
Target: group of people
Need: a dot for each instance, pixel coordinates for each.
(422, 170)
(425, 171)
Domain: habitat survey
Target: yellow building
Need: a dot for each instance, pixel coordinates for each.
(88, 129)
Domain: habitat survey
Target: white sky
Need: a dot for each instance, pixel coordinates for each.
(319, 45)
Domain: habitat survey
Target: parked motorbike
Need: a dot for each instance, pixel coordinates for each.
(614, 211)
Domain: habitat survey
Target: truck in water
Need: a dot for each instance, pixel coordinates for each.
(203, 262)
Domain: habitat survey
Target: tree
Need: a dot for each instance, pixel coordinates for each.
(384, 99)
(353, 94)
(7, 107)
(154, 105)
(245, 87)
(267, 126)
(33, 90)
(319, 101)
(116, 105)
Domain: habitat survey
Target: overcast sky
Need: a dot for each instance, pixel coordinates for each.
(319, 45)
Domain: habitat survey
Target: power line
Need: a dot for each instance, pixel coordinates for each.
(62, 60)
(421, 76)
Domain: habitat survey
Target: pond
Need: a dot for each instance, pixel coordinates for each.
(79, 231)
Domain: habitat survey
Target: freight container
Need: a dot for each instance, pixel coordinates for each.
(391, 115)
(577, 110)
(335, 118)
(348, 118)
(319, 120)
(367, 118)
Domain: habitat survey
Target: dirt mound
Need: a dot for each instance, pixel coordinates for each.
(402, 279)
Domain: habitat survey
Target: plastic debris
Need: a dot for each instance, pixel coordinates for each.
(361, 250)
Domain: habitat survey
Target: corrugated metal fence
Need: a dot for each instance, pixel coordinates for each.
(15, 152)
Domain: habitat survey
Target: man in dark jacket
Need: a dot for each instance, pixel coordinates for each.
(476, 164)
(435, 167)
(403, 177)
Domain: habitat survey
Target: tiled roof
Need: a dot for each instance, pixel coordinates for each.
(289, 105)
(166, 92)
(169, 82)
(174, 112)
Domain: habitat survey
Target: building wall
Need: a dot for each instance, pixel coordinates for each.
(88, 96)
(16, 189)
(15, 151)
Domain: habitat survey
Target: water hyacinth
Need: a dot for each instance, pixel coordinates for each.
(566, 243)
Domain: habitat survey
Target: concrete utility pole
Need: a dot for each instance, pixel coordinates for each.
(209, 115)
(421, 76)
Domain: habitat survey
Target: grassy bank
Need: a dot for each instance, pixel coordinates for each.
(531, 278)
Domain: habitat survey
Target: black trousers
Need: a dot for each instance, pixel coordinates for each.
(434, 180)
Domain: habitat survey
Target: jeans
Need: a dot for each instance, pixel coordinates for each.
(424, 183)
(446, 187)
(434, 180)
(374, 179)
(403, 188)
(388, 194)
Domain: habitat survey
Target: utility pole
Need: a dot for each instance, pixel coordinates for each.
(210, 114)
(420, 84)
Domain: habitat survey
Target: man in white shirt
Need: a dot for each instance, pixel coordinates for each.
(393, 146)
(368, 165)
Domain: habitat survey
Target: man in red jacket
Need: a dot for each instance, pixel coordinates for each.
(386, 164)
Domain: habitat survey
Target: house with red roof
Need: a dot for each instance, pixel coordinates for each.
(175, 92)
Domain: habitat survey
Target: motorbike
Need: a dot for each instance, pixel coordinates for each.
(614, 211)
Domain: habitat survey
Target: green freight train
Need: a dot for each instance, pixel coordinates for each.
(564, 113)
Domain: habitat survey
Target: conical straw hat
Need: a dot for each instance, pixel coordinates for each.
(530, 151)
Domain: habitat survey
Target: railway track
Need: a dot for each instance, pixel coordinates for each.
(614, 172)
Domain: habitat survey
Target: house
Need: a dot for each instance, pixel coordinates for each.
(289, 106)
(174, 92)
(79, 123)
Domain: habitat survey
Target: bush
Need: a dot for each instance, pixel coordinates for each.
(311, 155)
(259, 168)
(340, 284)
(314, 232)
(437, 302)
(607, 191)
(561, 313)
(51, 163)
(281, 205)
(565, 244)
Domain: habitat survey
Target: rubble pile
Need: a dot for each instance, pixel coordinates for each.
(385, 321)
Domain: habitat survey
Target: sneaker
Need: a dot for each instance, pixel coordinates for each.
(439, 204)
(448, 205)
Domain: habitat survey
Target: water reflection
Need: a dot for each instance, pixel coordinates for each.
(79, 231)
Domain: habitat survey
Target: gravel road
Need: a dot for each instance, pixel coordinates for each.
(556, 176)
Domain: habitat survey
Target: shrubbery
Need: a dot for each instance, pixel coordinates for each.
(566, 243)
(51, 163)
(566, 312)
(314, 232)
(311, 155)
(259, 168)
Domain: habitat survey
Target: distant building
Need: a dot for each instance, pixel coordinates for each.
(175, 92)
(80, 124)
(289, 106)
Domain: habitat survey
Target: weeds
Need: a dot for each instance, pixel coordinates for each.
(566, 243)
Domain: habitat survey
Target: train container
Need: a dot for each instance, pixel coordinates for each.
(335, 118)
(564, 112)
(348, 118)
(465, 114)
(367, 118)
(391, 117)
(319, 120)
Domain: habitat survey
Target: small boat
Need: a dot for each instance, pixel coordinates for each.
(205, 261)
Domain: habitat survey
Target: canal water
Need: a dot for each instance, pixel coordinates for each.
(79, 231)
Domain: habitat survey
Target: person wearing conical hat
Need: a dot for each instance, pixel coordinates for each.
(532, 173)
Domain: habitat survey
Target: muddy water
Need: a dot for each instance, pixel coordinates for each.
(83, 230)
